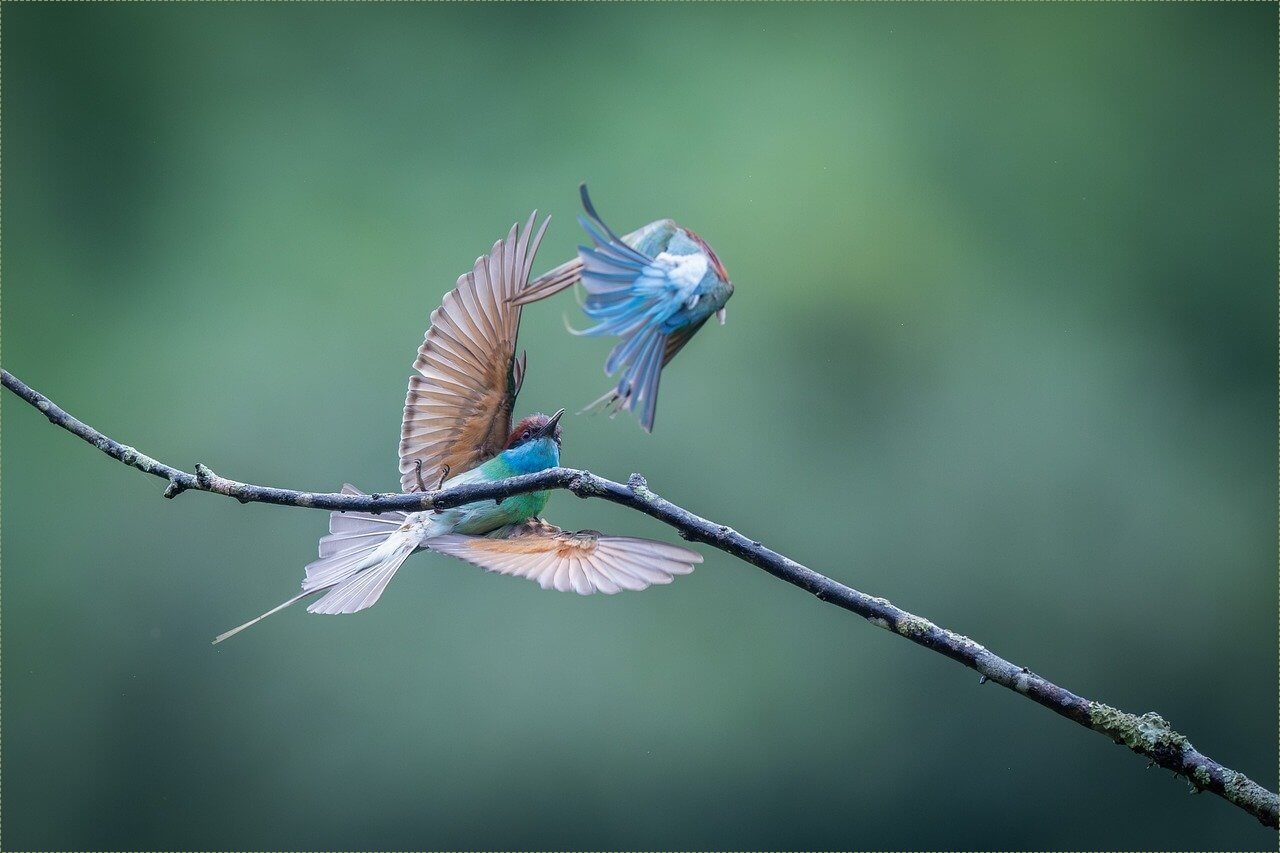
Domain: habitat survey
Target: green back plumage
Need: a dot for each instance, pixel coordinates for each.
(653, 238)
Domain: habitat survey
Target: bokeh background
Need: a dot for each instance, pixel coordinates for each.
(1003, 350)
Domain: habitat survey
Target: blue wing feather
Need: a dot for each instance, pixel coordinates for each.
(596, 255)
(638, 386)
(648, 377)
(624, 354)
(618, 243)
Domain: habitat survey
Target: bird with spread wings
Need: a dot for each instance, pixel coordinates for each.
(653, 288)
(457, 428)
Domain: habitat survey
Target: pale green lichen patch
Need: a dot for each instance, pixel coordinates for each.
(1146, 734)
(1239, 789)
(880, 623)
(645, 495)
(639, 487)
(1244, 792)
(909, 625)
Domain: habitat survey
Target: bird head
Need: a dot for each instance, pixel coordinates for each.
(535, 427)
(717, 267)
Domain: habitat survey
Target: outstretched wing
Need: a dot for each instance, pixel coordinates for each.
(550, 283)
(649, 240)
(584, 562)
(458, 409)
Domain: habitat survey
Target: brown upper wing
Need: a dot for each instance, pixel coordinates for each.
(584, 562)
(570, 272)
(458, 409)
(551, 283)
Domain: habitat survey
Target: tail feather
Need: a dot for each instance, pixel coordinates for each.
(254, 621)
(647, 375)
(353, 537)
(628, 352)
(357, 560)
(606, 402)
(641, 358)
(327, 571)
(363, 589)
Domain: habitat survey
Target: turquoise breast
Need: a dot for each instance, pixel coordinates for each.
(486, 516)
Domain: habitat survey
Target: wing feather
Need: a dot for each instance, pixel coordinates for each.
(584, 562)
(457, 412)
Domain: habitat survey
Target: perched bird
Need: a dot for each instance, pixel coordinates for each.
(654, 288)
(457, 429)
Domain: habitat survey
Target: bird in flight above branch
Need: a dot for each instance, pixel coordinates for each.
(457, 429)
(654, 288)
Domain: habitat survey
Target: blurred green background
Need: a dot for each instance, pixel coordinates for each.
(1003, 350)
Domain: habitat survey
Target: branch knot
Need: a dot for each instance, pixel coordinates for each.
(582, 484)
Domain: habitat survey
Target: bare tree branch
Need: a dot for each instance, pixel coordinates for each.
(1148, 735)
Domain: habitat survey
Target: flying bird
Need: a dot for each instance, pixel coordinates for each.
(457, 429)
(654, 288)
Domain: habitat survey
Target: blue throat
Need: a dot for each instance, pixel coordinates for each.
(532, 456)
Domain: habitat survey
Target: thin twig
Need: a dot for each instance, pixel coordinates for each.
(1148, 735)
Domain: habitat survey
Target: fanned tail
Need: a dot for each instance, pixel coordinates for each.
(363, 585)
(357, 560)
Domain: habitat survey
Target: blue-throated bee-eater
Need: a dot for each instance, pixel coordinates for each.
(654, 288)
(457, 429)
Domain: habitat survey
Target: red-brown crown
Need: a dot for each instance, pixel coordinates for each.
(529, 428)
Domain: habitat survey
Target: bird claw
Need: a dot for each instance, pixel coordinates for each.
(422, 486)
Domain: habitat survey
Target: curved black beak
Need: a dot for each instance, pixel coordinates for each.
(550, 428)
